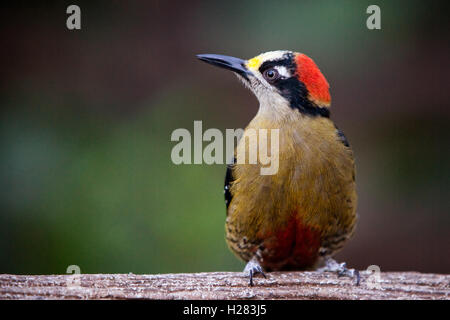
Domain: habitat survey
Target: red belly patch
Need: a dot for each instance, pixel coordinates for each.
(296, 246)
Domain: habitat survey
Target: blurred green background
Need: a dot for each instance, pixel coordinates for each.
(85, 172)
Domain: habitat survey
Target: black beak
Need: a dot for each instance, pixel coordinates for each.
(234, 64)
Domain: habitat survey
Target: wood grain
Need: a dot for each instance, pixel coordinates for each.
(225, 285)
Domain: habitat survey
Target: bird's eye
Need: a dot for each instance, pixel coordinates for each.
(271, 75)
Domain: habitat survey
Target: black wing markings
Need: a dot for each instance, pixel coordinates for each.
(228, 181)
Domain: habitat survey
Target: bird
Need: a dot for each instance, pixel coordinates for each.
(299, 217)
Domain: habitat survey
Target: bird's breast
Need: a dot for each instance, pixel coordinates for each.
(286, 216)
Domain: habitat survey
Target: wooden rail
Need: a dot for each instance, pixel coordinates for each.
(225, 285)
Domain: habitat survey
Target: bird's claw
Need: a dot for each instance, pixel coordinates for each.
(252, 268)
(341, 269)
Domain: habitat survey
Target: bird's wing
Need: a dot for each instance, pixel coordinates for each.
(342, 137)
(228, 180)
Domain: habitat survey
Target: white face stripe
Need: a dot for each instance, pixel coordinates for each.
(273, 55)
(283, 71)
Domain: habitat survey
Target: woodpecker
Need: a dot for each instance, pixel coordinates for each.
(299, 217)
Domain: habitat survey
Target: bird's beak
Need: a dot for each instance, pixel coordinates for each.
(231, 63)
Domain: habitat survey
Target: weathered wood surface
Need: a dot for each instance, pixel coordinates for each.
(225, 285)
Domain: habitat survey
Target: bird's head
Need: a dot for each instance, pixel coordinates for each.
(280, 78)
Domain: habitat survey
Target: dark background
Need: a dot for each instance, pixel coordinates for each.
(85, 171)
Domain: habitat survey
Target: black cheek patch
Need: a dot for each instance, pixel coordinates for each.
(296, 93)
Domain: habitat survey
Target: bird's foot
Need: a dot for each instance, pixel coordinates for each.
(252, 268)
(340, 269)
